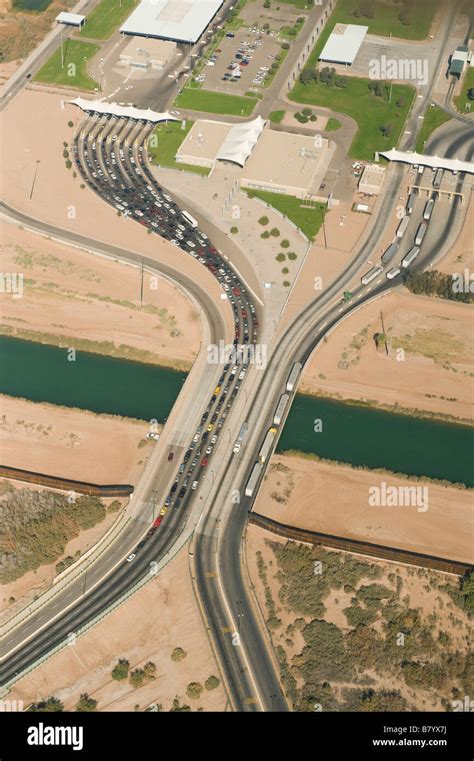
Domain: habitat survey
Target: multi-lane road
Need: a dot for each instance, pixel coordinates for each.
(111, 156)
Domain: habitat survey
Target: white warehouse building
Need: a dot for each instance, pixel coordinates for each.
(175, 20)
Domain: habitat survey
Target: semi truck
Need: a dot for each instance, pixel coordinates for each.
(428, 209)
(280, 410)
(293, 377)
(401, 229)
(267, 445)
(438, 178)
(254, 479)
(189, 219)
(391, 250)
(410, 203)
(411, 256)
(238, 442)
(420, 233)
(371, 274)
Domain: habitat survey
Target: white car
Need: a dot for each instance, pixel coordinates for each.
(194, 485)
(393, 273)
(190, 244)
(131, 557)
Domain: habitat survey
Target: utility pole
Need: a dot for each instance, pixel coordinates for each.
(384, 334)
(141, 287)
(324, 227)
(34, 178)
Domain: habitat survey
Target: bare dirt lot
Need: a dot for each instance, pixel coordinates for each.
(334, 619)
(334, 499)
(162, 616)
(432, 373)
(70, 443)
(68, 292)
(58, 197)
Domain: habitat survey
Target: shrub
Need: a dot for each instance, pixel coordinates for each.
(234, 230)
(265, 235)
(85, 703)
(285, 270)
(275, 232)
(286, 283)
(211, 683)
(292, 256)
(50, 705)
(285, 243)
(194, 690)
(68, 164)
(70, 124)
(120, 670)
(263, 221)
(280, 257)
(178, 654)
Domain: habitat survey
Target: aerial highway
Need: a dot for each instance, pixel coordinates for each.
(111, 155)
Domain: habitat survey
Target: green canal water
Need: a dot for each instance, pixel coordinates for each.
(93, 382)
(376, 439)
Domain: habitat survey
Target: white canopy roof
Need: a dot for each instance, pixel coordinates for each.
(130, 112)
(240, 141)
(70, 18)
(422, 159)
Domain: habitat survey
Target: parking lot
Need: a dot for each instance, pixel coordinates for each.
(241, 62)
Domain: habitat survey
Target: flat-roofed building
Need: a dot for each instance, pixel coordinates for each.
(288, 163)
(147, 53)
(176, 20)
(459, 58)
(202, 143)
(343, 43)
(371, 180)
(70, 19)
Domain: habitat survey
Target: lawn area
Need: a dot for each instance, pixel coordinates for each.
(301, 4)
(332, 125)
(106, 18)
(434, 117)
(384, 22)
(308, 220)
(461, 100)
(170, 136)
(276, 116)
(369, 111)
(215, 102)
(74, 72)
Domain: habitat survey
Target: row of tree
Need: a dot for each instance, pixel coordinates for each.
(434, 283)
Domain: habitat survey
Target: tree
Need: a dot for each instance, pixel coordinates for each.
(386, 129)
(176, 708)
(404, 18)
(70, 124)
(470, 93)
(149, 669)
(120, 670)
(400, 102)
(137, 677)
(211, 683)
(467, 588)
(307, 76)
(234, 230)
(341, 82)
(49, 705)
(86, 704)
(266, 4)
(178, 654)
(194, 690)
(263, 221)
(285, 243)
(274, 232)
(265, 235)
(280, 257)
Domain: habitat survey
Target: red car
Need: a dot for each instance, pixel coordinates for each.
(170, 456)
(151, 531)
(204, 462)
(158, 521)
(236, 291)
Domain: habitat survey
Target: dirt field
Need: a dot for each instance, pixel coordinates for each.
(70, 443)
(159, 618)
(433, 374)
(68, 292)
(16, 594)
(422, 594)
(461, 254)
(334, 499)
(58, 197)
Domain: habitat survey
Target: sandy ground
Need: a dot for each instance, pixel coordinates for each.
(161, 616)
(34, 583)
(415, 588)
(58, 197)
(461, 254)
(350, 366)
(70, 443)
(334, 499)
(69, 292)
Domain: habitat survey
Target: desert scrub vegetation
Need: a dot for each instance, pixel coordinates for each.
(37, 525)
(359, 641)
